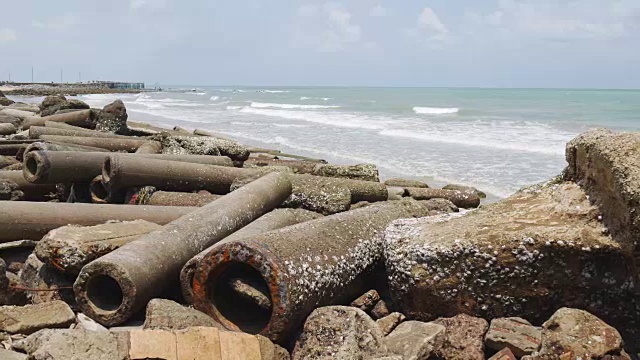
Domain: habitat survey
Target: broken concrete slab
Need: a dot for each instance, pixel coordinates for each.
(31, 318)
(515, 333)
(504, 354)
(84, 322)
(71, 247)
(45, 282)
(11, 355)
(388, 323)
(380, 310)
(464, 337)
(169, 315)
(416, 340)
(65, 344)
(366, 301)
(339, 332)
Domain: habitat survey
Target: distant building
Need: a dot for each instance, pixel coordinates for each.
(120, 85)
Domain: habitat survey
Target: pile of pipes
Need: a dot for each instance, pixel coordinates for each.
(107, 215)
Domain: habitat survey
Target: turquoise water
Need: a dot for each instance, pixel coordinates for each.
(497, 140)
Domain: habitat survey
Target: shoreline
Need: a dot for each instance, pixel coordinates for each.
(64, 89)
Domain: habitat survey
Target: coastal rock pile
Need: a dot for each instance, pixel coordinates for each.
(121, 240)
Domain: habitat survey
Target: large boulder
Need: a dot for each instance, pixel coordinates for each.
(527, 256)
(113, 118)
(51, 101)
(63, 106)
(339, 332)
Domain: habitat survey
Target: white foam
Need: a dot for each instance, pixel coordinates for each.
(234, 107)
(434, 110)
(303, 98)
(346, 120)
(274, 91)
(260, 105)
(214, 98)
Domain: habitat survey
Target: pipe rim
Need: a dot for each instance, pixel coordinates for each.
(36, 167)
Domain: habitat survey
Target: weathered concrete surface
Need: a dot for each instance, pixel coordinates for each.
(367, 301)
(200, 145)
(416, 340)
(405, 183)
(464, 188)
(579, 333)
(47, 282)
(504, 354)
(10, 191)
(464, 338)
(517, 334)
(31, 318)
(165, 314)
(607, 166)
(58, 344)
(11, 355)
(8, 281)
(380, 310)
(84, 322)
(461, 199)
(526, 256)
(390, 322)
(148, 195)
(341, 333)
(71, 247)
(364, 172)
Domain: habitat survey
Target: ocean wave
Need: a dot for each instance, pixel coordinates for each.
(274, 91)
(314, 98)
(332, 119)
(234, 107)
(467, 139)
(434, 110)
(260, 105)
(214, 98)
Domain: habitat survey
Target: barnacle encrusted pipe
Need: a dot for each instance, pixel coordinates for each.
(301, 267)
(112, 288)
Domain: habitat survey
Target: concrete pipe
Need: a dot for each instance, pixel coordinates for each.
(35, 132)
(112, 288)
(81, 118)
(298, 268)
(32, 192)
(32, 220)
(276, 219)
(150, 147)
(7, 129)
(463, 199)
(112, 144)
(147, 195)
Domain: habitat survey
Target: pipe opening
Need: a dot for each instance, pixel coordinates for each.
(106, 170)
(247, 307)
(31, 164)
(104, 292)
(98, 192)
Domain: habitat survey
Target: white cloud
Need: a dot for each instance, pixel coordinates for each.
(328, 28)
(59, 23)
(7, 35)
(378, 11)
(150, 4)
(429, 27)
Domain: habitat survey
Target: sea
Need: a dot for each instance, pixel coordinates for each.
(498, 140)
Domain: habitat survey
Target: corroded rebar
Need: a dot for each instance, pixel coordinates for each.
(115, 286)
(304, 266)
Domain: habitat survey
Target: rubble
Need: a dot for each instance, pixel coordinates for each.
(464, 337)
(31, 318)
(390, 322)
(416, 340)
(517, 334)
(165, 314)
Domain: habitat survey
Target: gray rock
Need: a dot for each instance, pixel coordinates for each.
(75, 344)
(5, 102)
(579, 332)
(440, 206)
(390, 322)
(366, 301)
(340, 333)
(416, 340)
(52, 100)
(464, 338)
(31, 318)
(515, 333)
(11, 355)
(404, 183)
(169, 315)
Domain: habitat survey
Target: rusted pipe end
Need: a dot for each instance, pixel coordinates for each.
(36, 167)
(99, 194)
(105, 292)
(253, 263)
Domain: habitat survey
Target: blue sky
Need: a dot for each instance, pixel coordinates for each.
(488, 43)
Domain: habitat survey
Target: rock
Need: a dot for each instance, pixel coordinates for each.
(526, 256)
(367, 301)
(40, 276)
(169, 315)
(52, 100)
(517, 334)
(204, 145)
(580, 333)
(8, 119)
(65, 106)
(471, 189)
(271, 351)
(74, 344)
(390, 322)
(464, 337)
(84, 322)
(461, 199)
(395, 193)
(365, 172)
(10, 191)
(380, 310)
(339, 332)
(504, 354)
(405, 183)
(416, 340)
(9, 295)
(113, 118)
(11, 355)
(31, 318)
(5, 102)
(71, 247)
(440, 206)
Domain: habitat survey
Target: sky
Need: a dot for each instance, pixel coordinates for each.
(450, 43)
